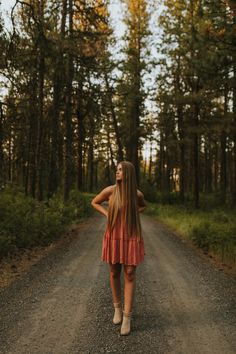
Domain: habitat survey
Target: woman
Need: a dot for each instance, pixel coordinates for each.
(122, 241)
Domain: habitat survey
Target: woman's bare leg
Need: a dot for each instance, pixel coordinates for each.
(115, 270)
(129, 287)
(129, 277)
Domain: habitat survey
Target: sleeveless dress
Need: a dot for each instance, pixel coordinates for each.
(117, 247)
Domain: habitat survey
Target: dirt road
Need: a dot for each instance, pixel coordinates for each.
(63, 305)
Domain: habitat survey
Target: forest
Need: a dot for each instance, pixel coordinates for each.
(76, 98)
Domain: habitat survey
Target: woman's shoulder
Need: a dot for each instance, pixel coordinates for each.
(111, 187)
(108, 190)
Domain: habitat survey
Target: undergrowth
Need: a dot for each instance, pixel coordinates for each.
(212, 230)
(25, 222)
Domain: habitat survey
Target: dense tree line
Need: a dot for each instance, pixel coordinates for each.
(196, 98)
(51, 112)
(67, 117)
(71, 110)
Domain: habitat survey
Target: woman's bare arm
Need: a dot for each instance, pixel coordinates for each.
(141, 202)
(100, 198)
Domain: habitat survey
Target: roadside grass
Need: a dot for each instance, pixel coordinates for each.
(212, 230)
(25, 222)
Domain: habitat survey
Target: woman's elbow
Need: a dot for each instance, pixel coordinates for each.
(141, 209)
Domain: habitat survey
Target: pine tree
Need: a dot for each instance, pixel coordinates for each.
(131, 90)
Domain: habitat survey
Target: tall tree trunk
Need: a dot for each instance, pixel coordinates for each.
(41, 73)
(57, 88)
(111, 152)
(223, 156)
(96, 175)
(180, 122)
(208, 166)
(182, 152)
(150, 163)
(223, 182)
(114, 120)
(234, 134)
(196, 109)
(26, 181)
(2, 179)
(10, 154)
(136, 40)
(68, 110)
(233, 5)
(81, 137)
(196, 156)
(196, 152)
(80, 179)
(134, 123)
(216, 167)
(32, 137)
(160, 168)
(39, 157)
(91, 154)
(145, 167)
(167, 173)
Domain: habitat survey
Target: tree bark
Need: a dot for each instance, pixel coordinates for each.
(196, 156)
(30, 185)
(57, 88)
(68, 110)
(41, 73)
(114, 119)
(81, 135)
(91, 155)
(1, 147)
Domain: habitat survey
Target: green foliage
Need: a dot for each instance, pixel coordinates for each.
(217, 234)
(203, 235)
(26, 222)
(81, 203)
(172, 198)
(196, 67)
(154, 196)
(150, 192)
(211, 201)
(213, 231)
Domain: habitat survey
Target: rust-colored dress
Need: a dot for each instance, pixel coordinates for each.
(117, 247)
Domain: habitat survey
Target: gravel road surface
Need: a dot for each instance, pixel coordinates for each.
(63, 305)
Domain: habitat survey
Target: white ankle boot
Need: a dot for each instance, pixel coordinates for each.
(118, 313)
(125, 327)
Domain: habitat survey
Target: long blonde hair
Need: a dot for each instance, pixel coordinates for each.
(124, 198)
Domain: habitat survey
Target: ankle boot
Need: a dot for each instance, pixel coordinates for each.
(125, 327)
(118, 313)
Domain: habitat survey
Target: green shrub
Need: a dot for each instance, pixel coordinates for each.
(213, 231)
(202, 235)
(220, 216)
(24, 222)
(7, 242)
(80, 204)
(149, 191)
